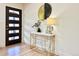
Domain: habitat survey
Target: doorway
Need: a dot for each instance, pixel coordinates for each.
(13, 25)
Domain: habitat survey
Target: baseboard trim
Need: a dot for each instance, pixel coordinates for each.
(60, 53)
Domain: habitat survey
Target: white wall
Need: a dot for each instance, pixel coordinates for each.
(67, 15)
(30, 17)
(68, 28)
(2, 20)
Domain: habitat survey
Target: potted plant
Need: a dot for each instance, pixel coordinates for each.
(37, 25)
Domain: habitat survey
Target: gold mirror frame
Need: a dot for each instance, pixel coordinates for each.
(41, 13)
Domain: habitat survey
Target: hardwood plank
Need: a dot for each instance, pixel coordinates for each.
(20, 50)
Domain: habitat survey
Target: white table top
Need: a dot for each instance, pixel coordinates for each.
(40, 33)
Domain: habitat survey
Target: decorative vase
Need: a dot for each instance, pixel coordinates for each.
(38, 29)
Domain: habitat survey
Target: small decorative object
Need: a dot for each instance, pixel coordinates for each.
(50, 23)
(49, 29)
(38, 30)
(37, 26)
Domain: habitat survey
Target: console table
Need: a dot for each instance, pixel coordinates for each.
(50, 48)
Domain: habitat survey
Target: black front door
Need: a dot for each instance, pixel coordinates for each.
(13, 25)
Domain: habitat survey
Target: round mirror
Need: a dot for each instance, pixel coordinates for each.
(44, 11)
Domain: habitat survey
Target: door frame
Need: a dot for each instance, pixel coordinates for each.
(20, 34)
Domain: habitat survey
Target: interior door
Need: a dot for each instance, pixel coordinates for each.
(13, 25)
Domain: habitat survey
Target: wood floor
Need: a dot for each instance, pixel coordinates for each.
(20, 50)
